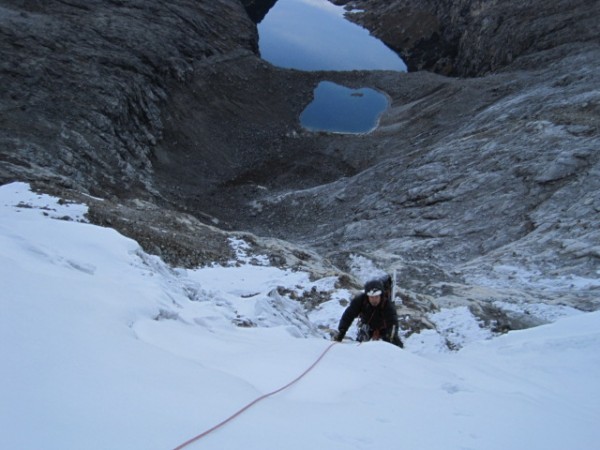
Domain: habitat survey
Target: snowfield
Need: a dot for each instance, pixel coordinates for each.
(106, 347)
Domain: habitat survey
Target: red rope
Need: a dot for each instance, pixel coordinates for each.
(254, 402)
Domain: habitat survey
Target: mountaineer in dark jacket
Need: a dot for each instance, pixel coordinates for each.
(377, 314)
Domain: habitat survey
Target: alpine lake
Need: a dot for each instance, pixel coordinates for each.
(314, 35)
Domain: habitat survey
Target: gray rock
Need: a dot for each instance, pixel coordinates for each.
(83, 83)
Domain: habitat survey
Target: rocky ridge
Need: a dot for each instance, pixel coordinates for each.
(478, 188)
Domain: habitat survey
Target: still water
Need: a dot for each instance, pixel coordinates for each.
(339, 109)
(314, 35)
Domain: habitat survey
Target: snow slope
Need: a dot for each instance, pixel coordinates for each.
(106, 347)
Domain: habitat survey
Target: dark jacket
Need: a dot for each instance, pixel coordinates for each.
(382, 319)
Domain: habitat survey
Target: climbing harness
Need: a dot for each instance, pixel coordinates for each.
(254, 402)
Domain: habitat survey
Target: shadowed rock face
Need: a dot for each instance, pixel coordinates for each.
(258, 9)
(83, 82)
(468, 182)
(471, 38)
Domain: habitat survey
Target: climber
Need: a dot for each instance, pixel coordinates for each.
(377, 314)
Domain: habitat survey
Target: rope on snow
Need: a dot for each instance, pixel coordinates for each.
(254, 402)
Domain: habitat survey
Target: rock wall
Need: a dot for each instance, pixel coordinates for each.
(471, 38)
(83, 83)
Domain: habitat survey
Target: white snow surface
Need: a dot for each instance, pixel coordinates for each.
(103, 346)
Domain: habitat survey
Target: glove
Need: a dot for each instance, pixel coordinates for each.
(400, 343)
(397, 341)
(338, 336)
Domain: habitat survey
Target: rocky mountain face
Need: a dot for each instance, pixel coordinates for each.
(83, 83)
(481, 185)
(472, 38)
